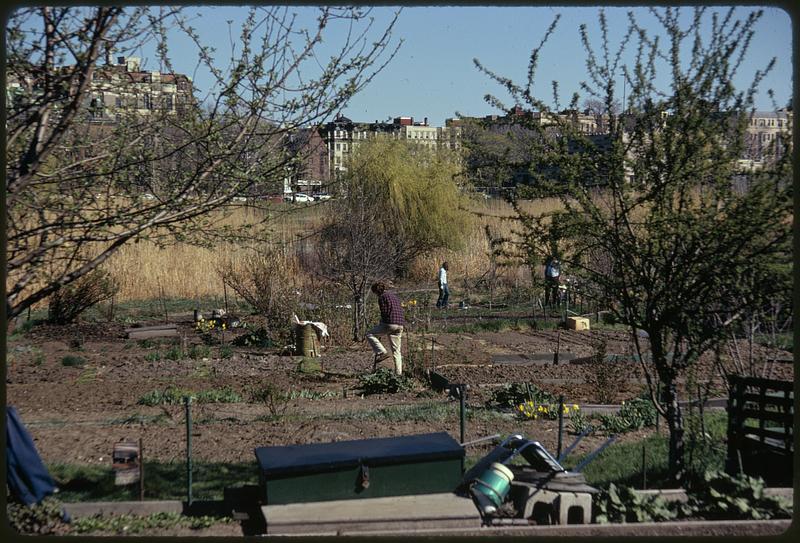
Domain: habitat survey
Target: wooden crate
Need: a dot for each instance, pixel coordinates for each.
(577, 323)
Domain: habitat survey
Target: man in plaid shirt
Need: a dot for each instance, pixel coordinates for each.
(391, 324)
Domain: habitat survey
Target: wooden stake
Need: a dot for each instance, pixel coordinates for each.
(141, 471)
(558, 347)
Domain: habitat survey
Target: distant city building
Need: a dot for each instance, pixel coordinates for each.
(764, 137)
(123, 88)
(311, 169)
(115, 90)
(342, 134)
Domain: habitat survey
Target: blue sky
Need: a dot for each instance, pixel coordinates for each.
(433, 73)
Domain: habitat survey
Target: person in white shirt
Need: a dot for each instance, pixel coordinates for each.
(552, 279)
(444, 292)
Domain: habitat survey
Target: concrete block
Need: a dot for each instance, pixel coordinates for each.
(548, 507)
(577, 323)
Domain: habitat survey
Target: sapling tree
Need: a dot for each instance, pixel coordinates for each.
(658, 215)
(97, 157)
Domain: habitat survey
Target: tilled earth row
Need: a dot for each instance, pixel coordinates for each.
(77, 413)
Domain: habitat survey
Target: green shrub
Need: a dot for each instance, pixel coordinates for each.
(72, 360)
(384, 381)
(38, 519)
(514, 394)
(259, 339)
(724, 497)
(154, 356)
(623, 504)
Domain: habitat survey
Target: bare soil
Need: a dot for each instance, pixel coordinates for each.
(76, 414)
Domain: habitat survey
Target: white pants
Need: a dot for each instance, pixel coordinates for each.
(395, 333)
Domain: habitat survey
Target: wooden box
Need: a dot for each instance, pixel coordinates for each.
(366, 468)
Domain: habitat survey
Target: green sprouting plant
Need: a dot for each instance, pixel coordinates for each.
(724, 497)
(169, 396)
(384, 381)
(225, 352)
(224, 395)
(173, 395)
(87, 376)
(313, 394)
(72, 360)
(38, 519)
(174, 353)
(38, 357)
(579, 422)
(633, 415)
(153, 356)
(623, 504)
(198, 352)
(638, 413)
(132, 524)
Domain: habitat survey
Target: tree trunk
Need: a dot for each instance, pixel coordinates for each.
(357, 316)
(677, 468)
(669, 400)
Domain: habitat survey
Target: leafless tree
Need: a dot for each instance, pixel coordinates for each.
(85, 176)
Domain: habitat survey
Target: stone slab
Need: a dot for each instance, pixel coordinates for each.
(531, 359)
(146, 332)
(401, 513)
(707, 528)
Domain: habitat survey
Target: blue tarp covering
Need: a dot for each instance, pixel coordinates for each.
(28, 478)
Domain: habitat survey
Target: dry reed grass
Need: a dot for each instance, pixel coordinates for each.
(145, 271)
(185, 271)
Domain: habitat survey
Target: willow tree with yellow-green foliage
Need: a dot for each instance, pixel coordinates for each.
(395, 201)
(660, 217)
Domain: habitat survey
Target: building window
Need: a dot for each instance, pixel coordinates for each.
(168, 102)
(118, 101)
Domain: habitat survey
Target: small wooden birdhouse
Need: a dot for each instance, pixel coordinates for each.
(125, 462)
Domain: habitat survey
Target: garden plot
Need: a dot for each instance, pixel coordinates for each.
(122, 388)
